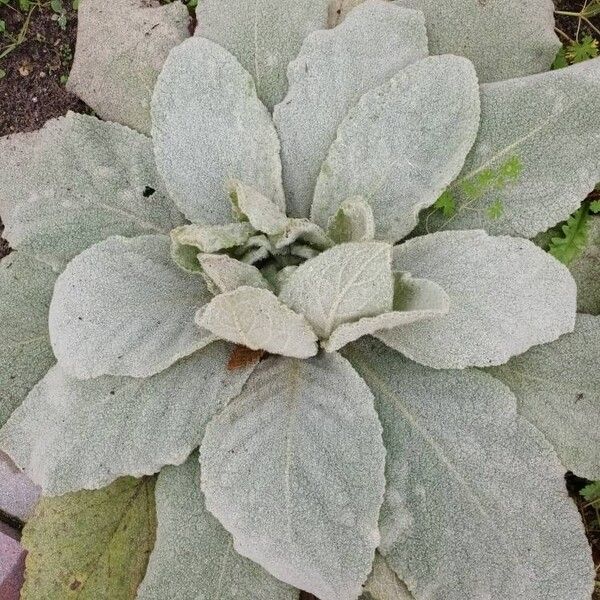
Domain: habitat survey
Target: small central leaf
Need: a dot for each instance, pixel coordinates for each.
(342, 284)
(255, 318)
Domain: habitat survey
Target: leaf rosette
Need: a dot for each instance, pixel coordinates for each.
(360, 422)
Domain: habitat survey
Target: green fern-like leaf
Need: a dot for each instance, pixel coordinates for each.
(446, 203)
(591, 492)
(582, 50)
(488, 179)
(592, 9)
(560, 62)
(495, 210)
(573, 239)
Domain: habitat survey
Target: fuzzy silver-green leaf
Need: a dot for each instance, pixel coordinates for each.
(353, 222)
(409, 165)
(557, 387)
(257, 319)
(225, 274)
(341, 285)
(332, 71)
(264, 35)
(193, 558)
(80, 180)
(506, 295)
(122, 307)
(414, 300)
(25, 353)
(72, 434)
(503, 38)
(121, 48)
(585, 269)
(209, 128)
(293, 468)
(544, 127)
(476, 505)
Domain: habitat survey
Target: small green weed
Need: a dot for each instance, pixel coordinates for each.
(581, 48)
(12, 37)
(568, 240)
(474, 187)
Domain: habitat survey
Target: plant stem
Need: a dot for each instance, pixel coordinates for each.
(566, 13)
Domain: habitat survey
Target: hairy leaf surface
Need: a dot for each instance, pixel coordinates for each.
(506, 295)
(332, 71)
(385, 154)
(476, 505)
(257, 319)
(558, 390)
(25, 353)
(213, 238)
(194, 557)
(264, 215)
(293, 468)
(122, 307)
(383, 583)
(503, 38)
(548, 123)
(121, 48)
(208, 128)
(414, 300)
(585, 269)
(226, 274)
(353, 222)
(90, 545)
(80, 180)
(342, 284)
(71, 434)
(265, 35)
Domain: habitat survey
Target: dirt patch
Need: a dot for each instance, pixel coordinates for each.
(33, 87)
(574, 28)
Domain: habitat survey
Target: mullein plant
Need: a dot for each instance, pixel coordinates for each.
(264, 271)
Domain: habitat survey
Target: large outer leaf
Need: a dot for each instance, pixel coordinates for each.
(122, 307)
(342, 284)
(558, 390)
(209, 128)
(121, 47)
(265, 35)
(257, 319)
(332, 71)
(586, 271)
(77, 181)
(293, 468)
(384, 152)
(71, 434)
(90, 545)
(549, 123)
(193, 558)
(503, 38)
(476, 505)
(506, 295)
(25, 353)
